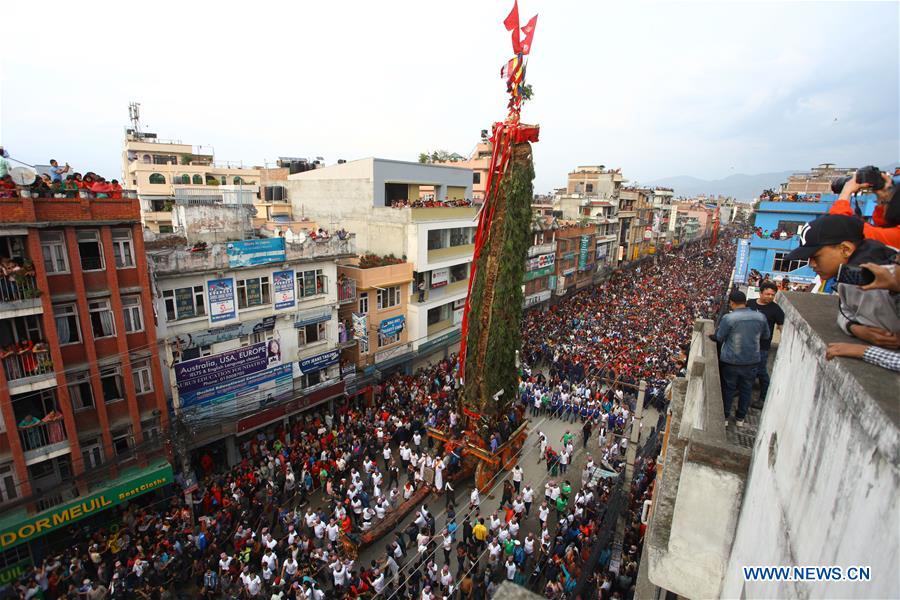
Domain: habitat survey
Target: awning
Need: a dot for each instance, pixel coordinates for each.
(25, 528)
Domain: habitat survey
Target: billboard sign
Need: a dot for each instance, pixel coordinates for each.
(319, 361)
(392, 326)
(742, 261)
(235, 381)
(583, 252)
(223, 334)
(222, 300)
(440, 277)
(248, 253)
(540, 262)
(283, 282)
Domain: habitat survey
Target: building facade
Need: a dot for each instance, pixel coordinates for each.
(371, 197)
(81, 391)
(166, 172)
(576, 256)
(540, 265)
(250, 336)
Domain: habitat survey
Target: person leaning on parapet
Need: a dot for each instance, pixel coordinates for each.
(739, 332)
(834, 240)
(885, 226)
(887, 277)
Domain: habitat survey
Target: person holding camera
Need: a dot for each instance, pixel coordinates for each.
(885, 225)
(886, 277)
(836, 247)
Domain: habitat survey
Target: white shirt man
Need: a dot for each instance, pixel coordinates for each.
(417, 439)
(519, 506)
(514, 527)
(543, 511)
(510, 569)
(493, 551)
(379, 582)
(517, 474)
(527, 495)
(332, 530)
(528, 545)
(386, 453)
(254, 585)
(475, 498)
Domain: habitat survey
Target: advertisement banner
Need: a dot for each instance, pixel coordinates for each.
(601, 250)
(222, 300)
(283, 282)
(185, 341)
(319, 361)
(235, 381)
(742, 261)
(392, 326)
(583, 252)
(458, 315)
(248, 253)
(540, 262)
(440, 277)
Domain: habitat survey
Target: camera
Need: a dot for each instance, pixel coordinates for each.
(870, 175)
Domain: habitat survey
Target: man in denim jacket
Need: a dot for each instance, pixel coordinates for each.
(739, 333)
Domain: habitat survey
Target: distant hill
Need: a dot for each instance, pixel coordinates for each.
(739, 186)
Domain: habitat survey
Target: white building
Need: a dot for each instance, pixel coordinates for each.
(249, 334)
(438, 241)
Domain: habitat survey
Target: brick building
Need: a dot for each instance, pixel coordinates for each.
(81, 400)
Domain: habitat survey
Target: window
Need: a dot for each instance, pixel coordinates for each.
(150, 428)
(388, 297)
(92, 453)
(311, 283)
(195, 352)
(462, 236)
(166, 229)
(90, 250)
(311, 379)
(388, 340)
(53, 247)
(131, 306)
(68, 330)
(122, 441)
(237, 181)
(363, 345)
(157, 178)
(589, 188)
(102, 324)
(184, 303)
(439, 313)
(791, 227)
(8, 488)
(253, 292)
(81, 394)
(476, 177)
(779, 264)
(197, 179)
(123, 249)
(435, 239)
(111, 381)
(364, 302)
(143, 379)
(185, 179)
(459, 272)
(311, 333)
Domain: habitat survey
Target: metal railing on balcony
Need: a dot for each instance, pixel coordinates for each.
(42, 433)
(19, 289)
(346, 290)
(28, 364)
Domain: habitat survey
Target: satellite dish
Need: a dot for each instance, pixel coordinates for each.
(22, 176)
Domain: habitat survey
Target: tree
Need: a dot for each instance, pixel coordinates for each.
(494, 333)
(440, 156)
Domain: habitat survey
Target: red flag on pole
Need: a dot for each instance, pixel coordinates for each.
(511, 22)
(528, 30)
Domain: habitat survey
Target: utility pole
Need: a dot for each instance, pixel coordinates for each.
(635, 437)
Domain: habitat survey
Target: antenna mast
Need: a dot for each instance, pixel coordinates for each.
(134, 114)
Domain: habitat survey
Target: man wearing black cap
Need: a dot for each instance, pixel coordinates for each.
(834, 240)
(740, 332)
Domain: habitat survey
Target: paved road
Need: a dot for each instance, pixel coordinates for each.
(536, 475)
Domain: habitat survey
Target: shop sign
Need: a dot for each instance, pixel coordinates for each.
(63, 516)
(319, 362)
(222, 304)
(283, 282)
(440, 277)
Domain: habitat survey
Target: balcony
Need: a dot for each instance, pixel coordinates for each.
(65, 210)
(449, 253)
(539, 249)
(811, 480)
(44, 439)
(346, 290)
(375, 277)
(19, 295)
(28, 366)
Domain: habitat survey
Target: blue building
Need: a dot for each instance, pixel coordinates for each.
(767, 255)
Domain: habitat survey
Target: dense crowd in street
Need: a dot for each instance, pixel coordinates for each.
(279, 524)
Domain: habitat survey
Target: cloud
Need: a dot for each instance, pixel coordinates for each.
(657, 88)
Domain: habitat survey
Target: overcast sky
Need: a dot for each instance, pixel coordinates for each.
(659, 89)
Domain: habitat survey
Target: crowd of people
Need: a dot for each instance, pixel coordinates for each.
(770, 195)
(284, 522)
(430, 203)
(60, 181)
